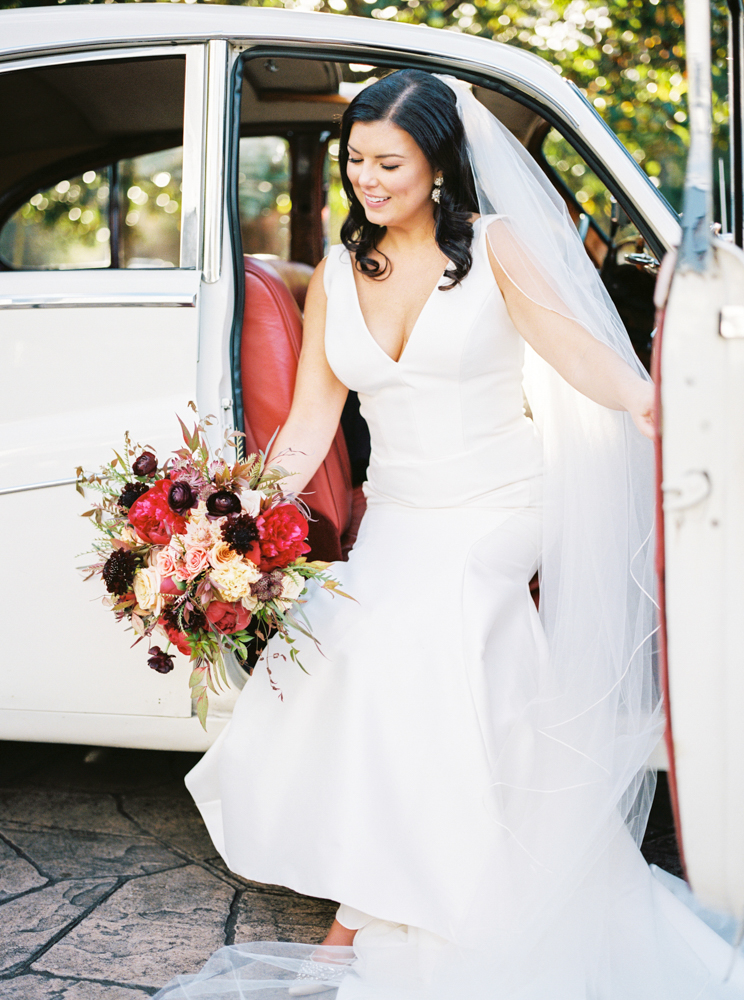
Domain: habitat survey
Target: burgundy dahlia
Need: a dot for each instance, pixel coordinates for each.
(187, 617)
(130, 493)
(240, 532)
(268, 586)
(118, 571)
(223, 502)
(181, 497)
(145, 465)
(160, 661)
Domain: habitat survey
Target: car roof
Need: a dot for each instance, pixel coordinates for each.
(54, 29)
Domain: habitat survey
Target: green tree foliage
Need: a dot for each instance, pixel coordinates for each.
(627, 56)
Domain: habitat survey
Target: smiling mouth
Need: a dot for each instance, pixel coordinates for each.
(375, 202)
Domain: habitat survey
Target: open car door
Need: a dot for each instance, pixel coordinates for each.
(700, 370)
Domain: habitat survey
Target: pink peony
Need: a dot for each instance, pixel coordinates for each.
(228, 618)
(283, 531)
(152, 518)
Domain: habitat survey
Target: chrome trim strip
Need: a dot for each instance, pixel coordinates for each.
(36, 486)
(147, 300)
(139, 51)
(214, 168)
(193, 156)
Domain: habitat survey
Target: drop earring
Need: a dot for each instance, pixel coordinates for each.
(436, 191)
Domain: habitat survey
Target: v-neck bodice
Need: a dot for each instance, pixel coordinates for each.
(446, 420)
(365, 324)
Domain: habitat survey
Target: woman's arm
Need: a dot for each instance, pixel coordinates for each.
(317, 401)
(590, 366)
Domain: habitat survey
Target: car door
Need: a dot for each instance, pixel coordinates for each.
(99, 334)
(699, 363)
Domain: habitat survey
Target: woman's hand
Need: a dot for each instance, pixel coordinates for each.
(641, 405)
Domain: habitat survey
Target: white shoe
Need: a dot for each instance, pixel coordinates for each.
(317, 977)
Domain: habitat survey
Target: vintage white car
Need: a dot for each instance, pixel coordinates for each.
(168, 179)
(145, 150)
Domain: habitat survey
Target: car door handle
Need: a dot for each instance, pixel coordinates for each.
(689, 489)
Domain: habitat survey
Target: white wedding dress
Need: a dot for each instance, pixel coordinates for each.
(375, 778)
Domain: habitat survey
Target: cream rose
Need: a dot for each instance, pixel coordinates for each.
(129, 535)
(147, 590)
(292, 586)
(234, 580)
(249, 602)
(250, 501)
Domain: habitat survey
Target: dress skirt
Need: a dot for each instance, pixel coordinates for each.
(366, 778)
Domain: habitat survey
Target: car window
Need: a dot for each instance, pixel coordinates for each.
(79, 136)
(264, 196)
(63, 226)
(127, 215)
(151, 209)
(574, 174)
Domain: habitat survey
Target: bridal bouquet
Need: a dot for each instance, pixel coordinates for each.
(210, 557)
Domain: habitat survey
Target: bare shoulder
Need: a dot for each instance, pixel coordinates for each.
(316, 293)
(318, 273)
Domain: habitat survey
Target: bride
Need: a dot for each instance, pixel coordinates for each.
(466, 778)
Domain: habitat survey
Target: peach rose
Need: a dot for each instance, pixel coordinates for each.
(222, 555)
(166, 561)
(194, 562)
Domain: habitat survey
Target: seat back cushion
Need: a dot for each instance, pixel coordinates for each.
(269, 351)
(296, 277)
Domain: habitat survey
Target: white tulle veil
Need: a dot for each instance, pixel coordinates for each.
(574, 770)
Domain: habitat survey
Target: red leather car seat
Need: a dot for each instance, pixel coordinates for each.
(269, 352)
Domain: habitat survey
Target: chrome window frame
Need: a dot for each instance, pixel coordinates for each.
(195, 89)
(219, 57)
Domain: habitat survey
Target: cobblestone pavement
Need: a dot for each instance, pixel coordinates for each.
(109, 884)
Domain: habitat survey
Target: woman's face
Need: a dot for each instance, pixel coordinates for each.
(390, 175)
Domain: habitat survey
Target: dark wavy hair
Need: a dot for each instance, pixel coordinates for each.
(426, 108)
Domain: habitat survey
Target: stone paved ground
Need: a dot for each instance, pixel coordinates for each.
(109, 884)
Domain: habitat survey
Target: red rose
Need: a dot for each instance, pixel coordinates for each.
(152, 517)
(282, 531)
(228, 618)
(179, 639)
